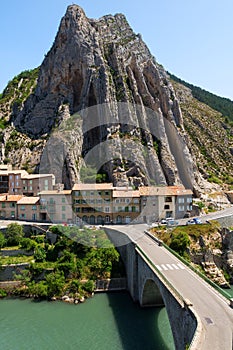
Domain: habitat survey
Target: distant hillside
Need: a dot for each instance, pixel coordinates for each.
(220, 104)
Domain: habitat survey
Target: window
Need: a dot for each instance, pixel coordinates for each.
(181, 207)
(30, 182)
(22, 207)
(11, 177)
(127, 200)
(76, 193)
(30, 188)
(12, 214)
(46, 182)
(167, 206)
(189, 200)
(106, 193)
(63, 208)
(63, 216)
(24, 182)
(106, 209)
(77, 210)
(137, 201)
(168, 199)
(180, 200)
(117, 201)
(133, 209)
(17, 177)
(12, 205)
(17, 184)
(34, 207)
(92, 193)
(25, 188)
(3, 205)
(126, 209)
(99, 193)
(63, 200)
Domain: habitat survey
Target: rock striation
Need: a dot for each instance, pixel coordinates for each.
(129, 123)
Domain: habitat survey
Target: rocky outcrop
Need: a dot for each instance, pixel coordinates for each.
(209, 138)
(139, 124)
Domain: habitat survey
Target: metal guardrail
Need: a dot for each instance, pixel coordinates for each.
(199, 273)
(164, 279)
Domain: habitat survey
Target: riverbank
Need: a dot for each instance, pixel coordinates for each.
(16, 289)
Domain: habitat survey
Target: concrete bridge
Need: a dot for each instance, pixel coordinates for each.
(200, 318)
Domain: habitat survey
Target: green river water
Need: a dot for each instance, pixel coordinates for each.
(107, 321)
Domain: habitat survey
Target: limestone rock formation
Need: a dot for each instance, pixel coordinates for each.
(139, 124)
(100, 100)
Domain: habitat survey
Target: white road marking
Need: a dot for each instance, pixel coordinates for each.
(175, 266)
(181, 266)
(169, 266)
(166, 267)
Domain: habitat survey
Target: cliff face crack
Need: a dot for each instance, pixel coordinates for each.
(103, 62)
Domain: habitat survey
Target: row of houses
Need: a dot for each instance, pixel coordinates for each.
(95, 203)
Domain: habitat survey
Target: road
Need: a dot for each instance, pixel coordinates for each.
(213, 309)
(221, 214)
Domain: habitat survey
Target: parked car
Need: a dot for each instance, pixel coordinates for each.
(190, 222)
(163, 222)
(197, 221)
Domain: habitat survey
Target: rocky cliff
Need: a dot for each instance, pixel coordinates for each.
(135, 135)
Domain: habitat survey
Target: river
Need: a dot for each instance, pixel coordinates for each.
(106, 321)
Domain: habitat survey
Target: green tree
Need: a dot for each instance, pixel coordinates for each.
(27, 244)
(39, 254)
(2, 240)
(55, 283)
(14, 234)
(38, 290)
(89, 286)
(180, 242)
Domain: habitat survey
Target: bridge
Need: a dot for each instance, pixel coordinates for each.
(199, 316)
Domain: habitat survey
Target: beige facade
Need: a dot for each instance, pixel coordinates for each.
(92, 203)
(8, 206)
(28, 208)
(56, 206)
(125, 206)
(164, 202)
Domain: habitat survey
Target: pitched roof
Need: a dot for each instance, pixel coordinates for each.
(10, 198)
(36, 176)
(164, 191)
(125, 194)
(55, 192)
(94, 186)
(28, 200)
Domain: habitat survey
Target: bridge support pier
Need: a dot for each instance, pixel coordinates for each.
(147, 287)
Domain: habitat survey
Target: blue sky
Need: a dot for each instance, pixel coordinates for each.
(192, 39)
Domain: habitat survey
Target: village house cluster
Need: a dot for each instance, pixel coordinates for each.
(37, 197)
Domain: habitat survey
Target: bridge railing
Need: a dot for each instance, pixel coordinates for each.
(170, 287)
(199, 273)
